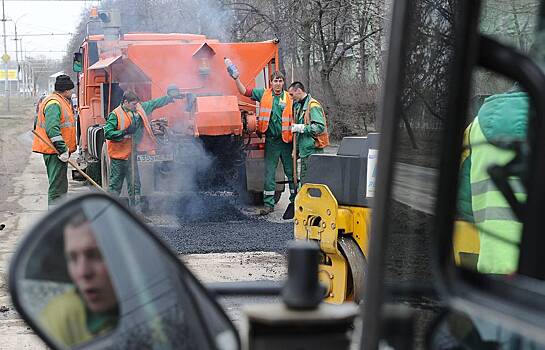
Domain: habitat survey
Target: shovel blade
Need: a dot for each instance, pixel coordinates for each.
(290, 212)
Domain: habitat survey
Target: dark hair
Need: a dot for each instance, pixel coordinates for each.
(277, 75)
(297, 85)
(77, 219)
(130, 96)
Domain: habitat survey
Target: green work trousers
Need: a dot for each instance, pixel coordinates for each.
(119, 170)
(56, 174)
(276, 149)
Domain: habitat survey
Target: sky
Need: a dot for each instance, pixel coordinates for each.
(42, 17)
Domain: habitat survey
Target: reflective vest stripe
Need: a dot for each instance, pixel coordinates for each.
(67, 125)
(268, 193)
(493, 213)
(56, 138)
(484, 186)
(263, 110)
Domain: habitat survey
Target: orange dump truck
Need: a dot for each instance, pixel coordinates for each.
(206, 141)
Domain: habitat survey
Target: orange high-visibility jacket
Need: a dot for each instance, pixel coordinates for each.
(67, 126)
(122, 149)
(265, 110)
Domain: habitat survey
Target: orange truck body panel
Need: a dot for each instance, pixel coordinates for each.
(148, 63)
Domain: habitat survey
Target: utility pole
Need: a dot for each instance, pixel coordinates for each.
(17, 59)
(5, 57)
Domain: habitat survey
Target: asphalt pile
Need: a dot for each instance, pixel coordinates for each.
(216, 224)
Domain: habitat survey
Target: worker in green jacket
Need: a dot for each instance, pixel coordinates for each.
(128, 127)
(55, 137)
(274, 121)
(310, 126)
(502, 117)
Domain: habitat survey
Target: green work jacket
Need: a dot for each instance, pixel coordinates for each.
(305, 140)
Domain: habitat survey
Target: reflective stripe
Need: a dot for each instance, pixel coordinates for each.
(486, 185)
(286, 120)
(268, 193)
(263, 118)
(57, 138)
(286, 128)
(264, 110)
(67, 125)
(122, 120)
(494, 213)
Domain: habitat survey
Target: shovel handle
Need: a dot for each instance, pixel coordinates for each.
(294, 156)
(71, 162)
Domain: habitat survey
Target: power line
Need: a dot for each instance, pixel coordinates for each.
(12, 51)
(41, 34)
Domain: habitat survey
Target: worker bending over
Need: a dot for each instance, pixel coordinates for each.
(127, 127)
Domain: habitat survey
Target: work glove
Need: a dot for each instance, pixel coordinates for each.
(300, 128)
(174, 92)
(131, 129)
(64, 156)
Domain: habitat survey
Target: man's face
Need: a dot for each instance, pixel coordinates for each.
(296, 94)
(87, 269)
(131, 106)
(277, 85)
(66, 94)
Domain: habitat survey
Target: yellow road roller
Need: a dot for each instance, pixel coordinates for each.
(333, 208)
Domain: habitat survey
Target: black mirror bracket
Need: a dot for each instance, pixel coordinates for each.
(303, 321)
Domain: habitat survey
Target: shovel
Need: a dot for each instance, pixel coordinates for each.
(71, 162)
(290, 210)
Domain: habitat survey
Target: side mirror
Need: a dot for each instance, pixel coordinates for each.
(91, 275)
(77, 62)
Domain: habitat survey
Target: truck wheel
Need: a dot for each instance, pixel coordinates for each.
(357, 267)
(105, 167)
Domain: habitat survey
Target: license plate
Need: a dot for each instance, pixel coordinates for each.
(155, 158)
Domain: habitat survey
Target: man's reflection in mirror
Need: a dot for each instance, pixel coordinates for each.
(91, 308)
(488, 229)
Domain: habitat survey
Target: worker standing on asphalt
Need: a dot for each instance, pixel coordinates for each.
(55, 122)
(130, 120)
(310, 126)
(502, 117)
(274, 120)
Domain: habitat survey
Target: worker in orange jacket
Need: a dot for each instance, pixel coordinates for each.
(274, 121)
(130, 120)
(55, 122)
